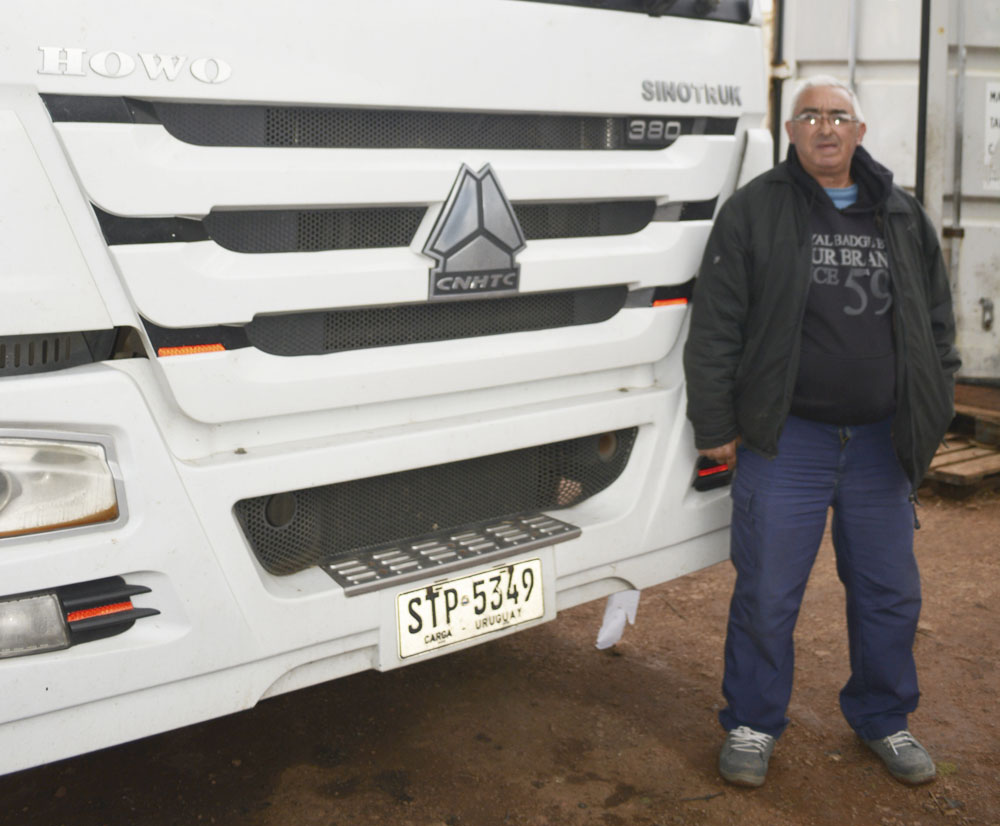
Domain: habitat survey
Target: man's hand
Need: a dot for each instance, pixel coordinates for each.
(724, 454)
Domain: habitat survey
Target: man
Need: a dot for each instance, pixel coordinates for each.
(820, 362)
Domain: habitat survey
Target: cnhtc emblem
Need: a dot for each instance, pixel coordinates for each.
(474, 239)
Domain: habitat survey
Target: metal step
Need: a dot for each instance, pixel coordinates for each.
(395, 563)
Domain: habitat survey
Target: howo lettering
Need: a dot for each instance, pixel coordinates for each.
(308, 370)
(57, 60)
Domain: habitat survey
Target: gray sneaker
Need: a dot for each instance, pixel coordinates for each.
(905, 758)
(744, 756)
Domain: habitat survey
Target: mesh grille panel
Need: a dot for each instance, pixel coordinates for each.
(541, 221)
(295, 530)
(301, 334)
(280, 230)
(289, 126)
(211, 124)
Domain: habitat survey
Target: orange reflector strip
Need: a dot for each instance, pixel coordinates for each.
(100, 611)
(666, 302)
(190, 350)
(711, 471)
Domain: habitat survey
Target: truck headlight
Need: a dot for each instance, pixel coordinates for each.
(45, 485)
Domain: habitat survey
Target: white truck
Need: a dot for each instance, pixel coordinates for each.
(341, 335)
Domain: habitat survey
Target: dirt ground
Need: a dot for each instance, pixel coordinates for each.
(542, 728)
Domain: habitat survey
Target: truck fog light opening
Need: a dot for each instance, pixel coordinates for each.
(30, 625)
(45, 485)
(280, 509)
(607, 446)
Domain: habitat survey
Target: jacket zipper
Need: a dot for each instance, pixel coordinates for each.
(902, 379)
(793, 369)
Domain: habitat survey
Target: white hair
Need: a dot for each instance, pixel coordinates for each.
(828, 80)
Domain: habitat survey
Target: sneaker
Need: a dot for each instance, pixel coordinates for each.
(905, 758)
(744, 756)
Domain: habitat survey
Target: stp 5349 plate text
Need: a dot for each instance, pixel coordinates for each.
(459, 609)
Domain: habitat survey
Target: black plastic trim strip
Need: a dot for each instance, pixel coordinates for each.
(48, 352)
(364, 328)
(230, 337)
(674, 291)
(275, 230)
(374, 321)
(118, 229)
(117, 622)
(727, 11)
(97, 109)
(93, 594)
(98, 592)
(699, 210)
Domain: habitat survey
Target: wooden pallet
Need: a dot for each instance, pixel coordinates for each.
(962, 466)
(977, 413)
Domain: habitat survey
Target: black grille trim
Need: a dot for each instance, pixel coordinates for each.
(294, 530)
(359, 328)
(100, 592)
(313, 230)
(583, 220)
(674, 292)
(212, 124)
(118, 229)
(728, 11)
(317, 230)
(699, 210)
(47, 352)
(318, 333)
(230, 337)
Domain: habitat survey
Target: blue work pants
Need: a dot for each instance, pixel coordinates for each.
(779, 514)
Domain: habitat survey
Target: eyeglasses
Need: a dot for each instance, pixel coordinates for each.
(835, 119)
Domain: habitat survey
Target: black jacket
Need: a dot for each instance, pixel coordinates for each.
(742, 353)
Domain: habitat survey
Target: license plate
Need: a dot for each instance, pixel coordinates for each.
(460, 609)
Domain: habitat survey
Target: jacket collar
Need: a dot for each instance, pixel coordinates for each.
(864, 168)
(873, 179)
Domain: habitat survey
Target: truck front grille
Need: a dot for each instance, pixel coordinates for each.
(313, 230)
(583, 220)
(212, 124)
(294, 530)
(355, 228)
(317, 333)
